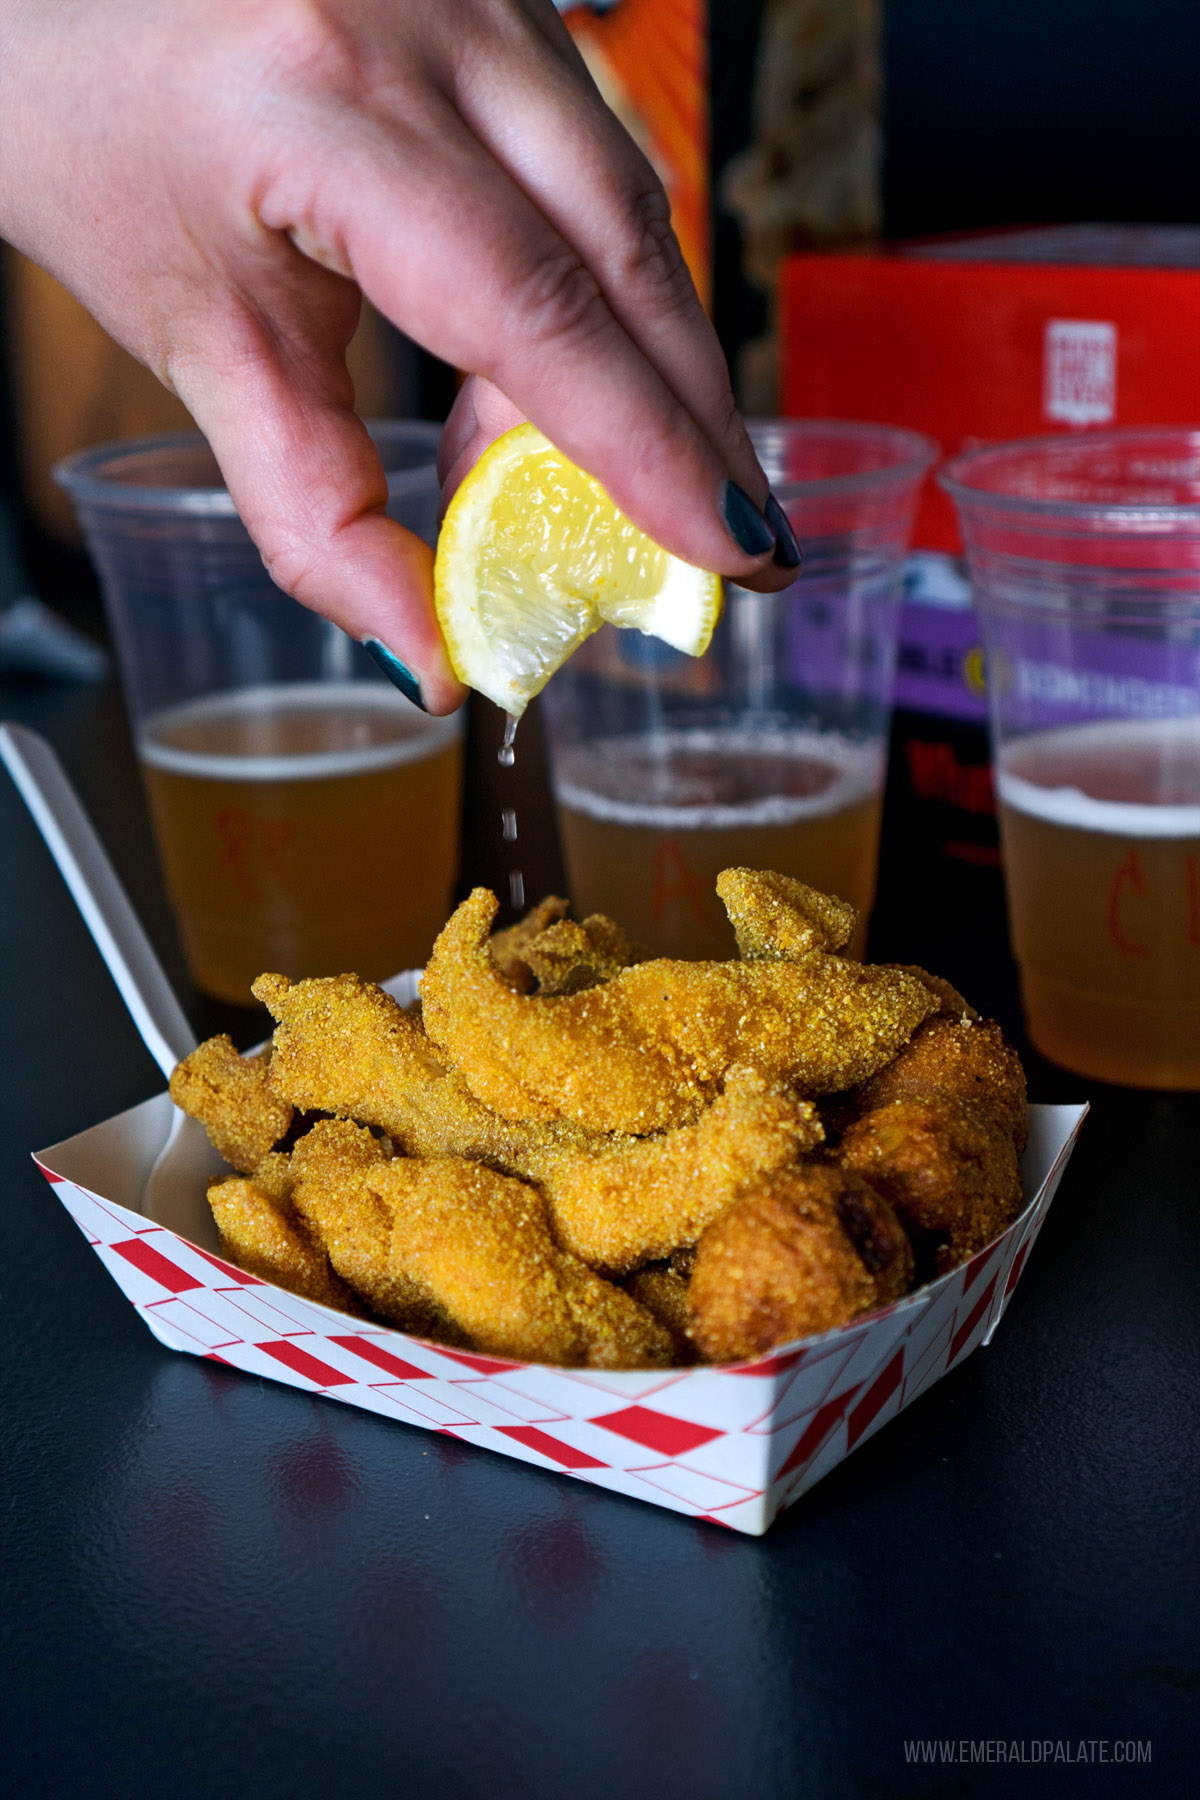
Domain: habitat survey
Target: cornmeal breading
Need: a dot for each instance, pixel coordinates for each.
(481, 1244)
(650, 1048)
(266, 1240)
(332, 1193)
(569, 1153)
(646, 1198)
(233, 1098)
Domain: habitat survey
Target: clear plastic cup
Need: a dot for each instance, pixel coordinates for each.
(1085, 559)
(306, 814)
(770, 750)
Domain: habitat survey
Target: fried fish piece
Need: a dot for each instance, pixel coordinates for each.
(642, 1199)
(650, 1048)
(776, 918)
(566, 957)
(273, 1177)
(480, 1243)
(804, 1252)
(508, 946)
(233, 1099)
(949, 1170)
(345, 1046)
(346, 1215)
(955, 1059)
(263, 1237)
(338, 1041)
(953, 1004)
(613, 942)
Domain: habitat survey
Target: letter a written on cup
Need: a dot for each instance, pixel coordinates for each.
(673, 880)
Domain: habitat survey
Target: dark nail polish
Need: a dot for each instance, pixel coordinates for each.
(787, 551)
(395, 671)
(746, 525)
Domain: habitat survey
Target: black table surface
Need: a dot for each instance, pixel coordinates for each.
(219, 1586)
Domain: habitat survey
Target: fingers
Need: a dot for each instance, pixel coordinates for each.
(549, 127)
(480, 414)
(569, 153)
(481, 278)
(309, 485)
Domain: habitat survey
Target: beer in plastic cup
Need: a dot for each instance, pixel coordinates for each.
(306, 814)
(1085, 560)
(770, 750)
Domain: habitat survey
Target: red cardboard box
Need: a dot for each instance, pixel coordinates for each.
(980, 339)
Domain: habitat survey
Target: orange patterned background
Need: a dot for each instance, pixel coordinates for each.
(650, 61)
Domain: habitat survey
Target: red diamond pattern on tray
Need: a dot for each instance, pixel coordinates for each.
(260, 1312)
(630, 1384)
(808, 1386)
(428, 1404)
(380, 1358)
(1014, 1274)
(387, 1404)
(102, 1220)
(293, 1356)
(713, 1397)
(699, 1441)
(926, 1363)
(657, 1431)
(814, 1433)
(979, 1265)
(198, 1326)
(158, 1267)
(230, 1270)
(514, 1400)
(875, 1399)
(702, 1491)
(566, 1455)
(770, 1365)
(483, 1365)
(972, 1319)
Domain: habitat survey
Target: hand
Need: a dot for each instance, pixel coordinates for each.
(218, 180)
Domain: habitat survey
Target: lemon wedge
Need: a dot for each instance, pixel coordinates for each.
(533, 557)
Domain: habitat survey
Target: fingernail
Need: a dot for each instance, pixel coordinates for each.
(787, 551)
(746, 525)
(395, 671)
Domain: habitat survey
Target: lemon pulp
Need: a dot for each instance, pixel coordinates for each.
(533, 557)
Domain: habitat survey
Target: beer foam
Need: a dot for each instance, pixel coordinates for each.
(1119, 745)
(857, 775)
(417, 736)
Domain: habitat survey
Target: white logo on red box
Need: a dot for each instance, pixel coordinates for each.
(1079, 372)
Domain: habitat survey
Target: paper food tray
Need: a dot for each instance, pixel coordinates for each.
(734, 1444)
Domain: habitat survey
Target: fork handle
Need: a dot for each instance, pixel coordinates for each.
(96, 889)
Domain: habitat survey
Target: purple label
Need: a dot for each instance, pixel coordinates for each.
(939, 662)
(1046, 675)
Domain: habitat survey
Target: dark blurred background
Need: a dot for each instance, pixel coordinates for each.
(1003, 111)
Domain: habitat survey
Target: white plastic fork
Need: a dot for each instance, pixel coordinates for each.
(121, 939)
(186, 1156)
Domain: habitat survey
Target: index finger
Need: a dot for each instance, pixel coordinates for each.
(481, 278)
